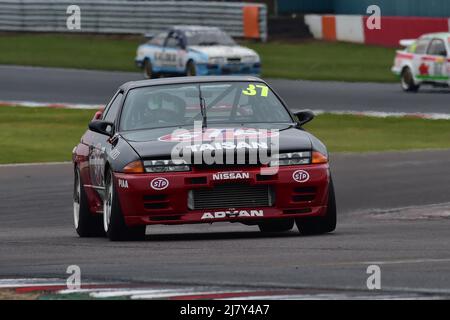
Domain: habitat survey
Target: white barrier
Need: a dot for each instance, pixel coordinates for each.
(133, 17)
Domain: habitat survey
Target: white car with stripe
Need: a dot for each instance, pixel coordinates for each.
(425, 60)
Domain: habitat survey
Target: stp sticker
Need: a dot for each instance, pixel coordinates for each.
(300, 176)
(159, 183)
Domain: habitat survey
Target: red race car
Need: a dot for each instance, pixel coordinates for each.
(200, 150)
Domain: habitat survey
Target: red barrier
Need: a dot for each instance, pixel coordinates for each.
(250, 18)
(395, 28)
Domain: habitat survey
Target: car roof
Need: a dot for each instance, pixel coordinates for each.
(181, 80)
(194, 28)
(442, 35)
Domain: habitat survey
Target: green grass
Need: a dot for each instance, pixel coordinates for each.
(43, 135)
(348, 133)
(40, 134)
(316, 60)
(313, 60)
(69, 51)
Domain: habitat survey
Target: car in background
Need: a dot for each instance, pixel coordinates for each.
(425, 60)
(195, 50)
(128, 173)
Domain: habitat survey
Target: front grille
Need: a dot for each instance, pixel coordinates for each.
(234, 60)
(231, 196)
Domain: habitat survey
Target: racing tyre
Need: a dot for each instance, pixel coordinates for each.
(276, 225)
(86, 224)
(113, 221)
(148, 70)
(407, 81)
(191, 69)
(320, 225)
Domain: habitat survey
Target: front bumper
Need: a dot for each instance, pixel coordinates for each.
(143, 205)
(229, 69)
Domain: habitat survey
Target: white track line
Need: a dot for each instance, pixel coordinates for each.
(179, 293)
(32, 282)
(34, 164)
(33, 104)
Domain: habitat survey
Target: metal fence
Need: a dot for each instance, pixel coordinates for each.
(120, 16)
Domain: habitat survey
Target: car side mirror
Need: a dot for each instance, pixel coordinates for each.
(304, 117)
(102, 127)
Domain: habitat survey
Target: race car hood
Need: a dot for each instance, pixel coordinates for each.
(160, 143)
(224, 51)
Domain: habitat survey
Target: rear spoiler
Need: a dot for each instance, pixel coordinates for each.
(407, 42)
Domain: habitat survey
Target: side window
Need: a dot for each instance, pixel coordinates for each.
(421, 46)
(113, 109)
(437, 48)
(174, 41)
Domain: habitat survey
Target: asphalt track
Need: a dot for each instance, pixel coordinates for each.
(411, 245)
(96, 87)
(393, 209)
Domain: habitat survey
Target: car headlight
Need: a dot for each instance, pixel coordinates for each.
(216, 60)
(292, 159)
(299, 158)
(155, 166)
(249, 59)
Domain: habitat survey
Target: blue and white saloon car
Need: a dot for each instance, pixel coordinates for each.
(195, 50)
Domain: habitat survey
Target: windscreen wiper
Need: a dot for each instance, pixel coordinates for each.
(202, 108)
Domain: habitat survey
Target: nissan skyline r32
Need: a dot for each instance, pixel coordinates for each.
(200, 150)
(195, 50)
(424, 61)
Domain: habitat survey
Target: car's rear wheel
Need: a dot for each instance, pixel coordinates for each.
(191, 69)
(276, 225)
(148, 70)
(407, 81)
(113, 220)
(86, 224)
(323, 224)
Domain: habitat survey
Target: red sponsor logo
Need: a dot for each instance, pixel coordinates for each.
(424, 69)
(224, 134)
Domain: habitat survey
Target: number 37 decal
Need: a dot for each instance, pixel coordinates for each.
(252, 91)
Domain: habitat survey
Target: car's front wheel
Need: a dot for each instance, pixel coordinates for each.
(407, 81)
(148, 70)
(191, 69)
(323, 224)
(113, 220)
(86, 224)
(276, 225)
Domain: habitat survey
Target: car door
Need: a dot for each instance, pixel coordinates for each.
(437, 61)
(155, 48)
(419, 63)
(100, 145)
(173, 53)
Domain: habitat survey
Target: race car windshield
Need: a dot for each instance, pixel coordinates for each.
(179, 105)
(208, 38)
